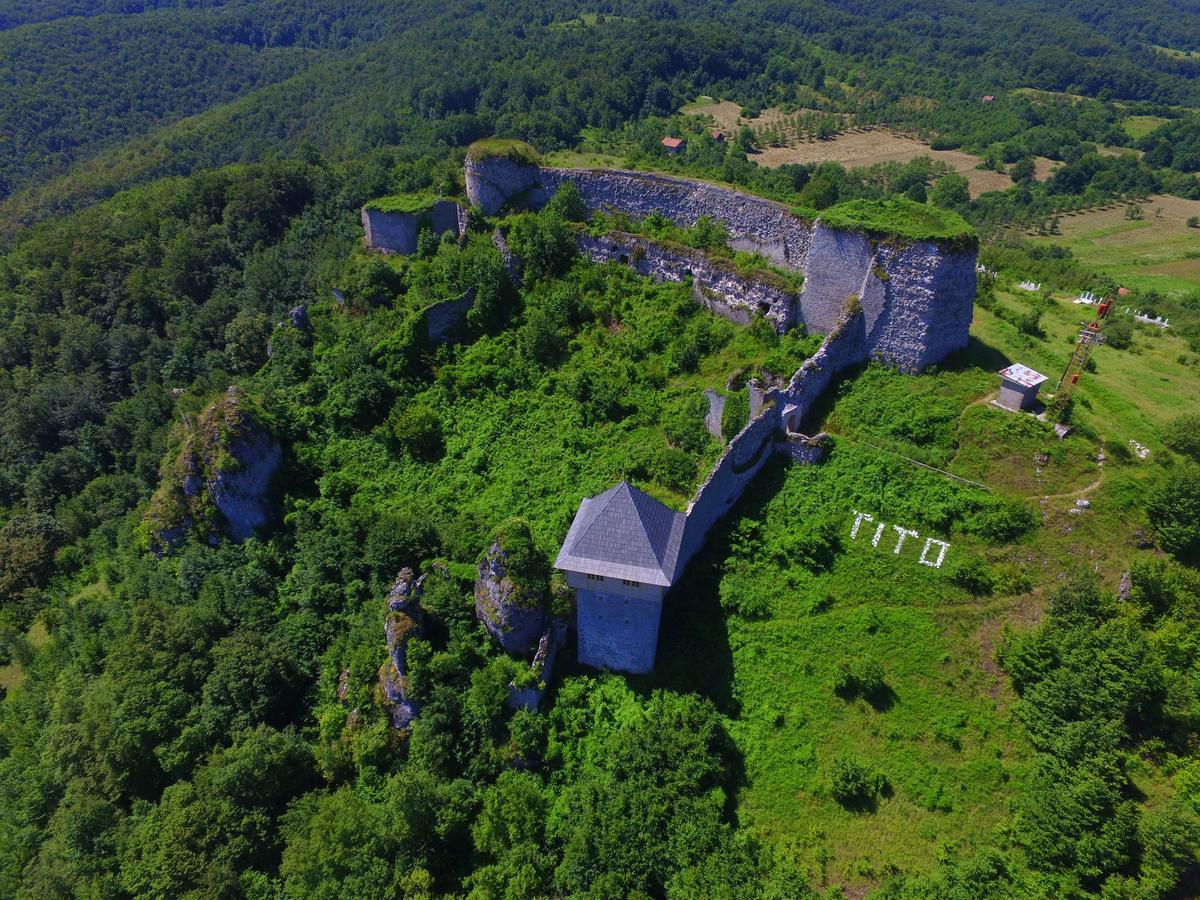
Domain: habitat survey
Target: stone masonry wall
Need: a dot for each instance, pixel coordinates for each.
(845, 346)
(929, 305)
(444, 320)
(718, 286)
(754, 223)
(741, 460)
(390, 232)
(916, 298)
(618, 632)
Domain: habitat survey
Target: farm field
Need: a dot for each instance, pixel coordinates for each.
(857, 148)
(1158, 251)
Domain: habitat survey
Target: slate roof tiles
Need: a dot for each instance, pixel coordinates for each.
(624, 533)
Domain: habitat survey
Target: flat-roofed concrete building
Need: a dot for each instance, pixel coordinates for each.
(1019, 387)
(620, 556)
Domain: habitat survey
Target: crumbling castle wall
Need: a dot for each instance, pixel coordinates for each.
(390, 232)
(718, 285)
(754, 223)
(741, 460)
(444, 321)
(845, 346)
(916, 297)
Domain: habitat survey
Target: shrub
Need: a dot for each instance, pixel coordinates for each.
(1183, 435)
(683, 422)
(736, 414)
(972, 574)
(1118, 333)
(672, 468)
(855, 785)
(862, 677)
(1174, 512)
(568, 203)
(418, 430)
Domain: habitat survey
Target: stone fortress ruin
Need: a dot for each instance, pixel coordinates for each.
(874, 295)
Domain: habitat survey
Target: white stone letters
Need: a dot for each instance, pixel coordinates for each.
(859, 518)
(878, 535)
(937, 564)
(902, 535)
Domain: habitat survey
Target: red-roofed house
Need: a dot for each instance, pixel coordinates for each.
(717, 135)
(674, 145)
(988, 98)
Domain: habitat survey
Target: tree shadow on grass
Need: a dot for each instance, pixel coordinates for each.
(881, 699)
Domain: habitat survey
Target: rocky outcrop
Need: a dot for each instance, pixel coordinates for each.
(527, 692)
(510, 590)
(718, 284)
(397, 232)
(218, 481)
(402, 623)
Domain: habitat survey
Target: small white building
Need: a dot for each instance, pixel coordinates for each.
(1019, 387)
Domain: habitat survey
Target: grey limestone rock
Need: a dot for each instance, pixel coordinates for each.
(240, 492)
(513, 613)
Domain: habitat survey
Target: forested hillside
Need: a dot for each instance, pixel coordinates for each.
(198, 698)
(431, 75)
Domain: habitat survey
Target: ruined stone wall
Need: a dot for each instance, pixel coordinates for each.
(754, 223)
(390, 232)
(929, 306)
(618, 632)
(444, 321)
(718, 286)
(917, 299)
(741, 460)
(496, 181)
(846, 346)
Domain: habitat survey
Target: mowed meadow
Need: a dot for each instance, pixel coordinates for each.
(1158, 250)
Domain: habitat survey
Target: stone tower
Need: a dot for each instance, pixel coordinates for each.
(620, 556)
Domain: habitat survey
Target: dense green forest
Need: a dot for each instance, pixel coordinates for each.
(201, 717)
(429, 76)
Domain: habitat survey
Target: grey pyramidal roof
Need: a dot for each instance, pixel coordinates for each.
(624, 533)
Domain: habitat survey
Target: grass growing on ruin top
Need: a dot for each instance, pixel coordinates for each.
(903, 218)
(504, 148)
(405, 203)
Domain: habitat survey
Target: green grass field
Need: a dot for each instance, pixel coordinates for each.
(773, 629)
(1158, 251)
(1140, 126)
